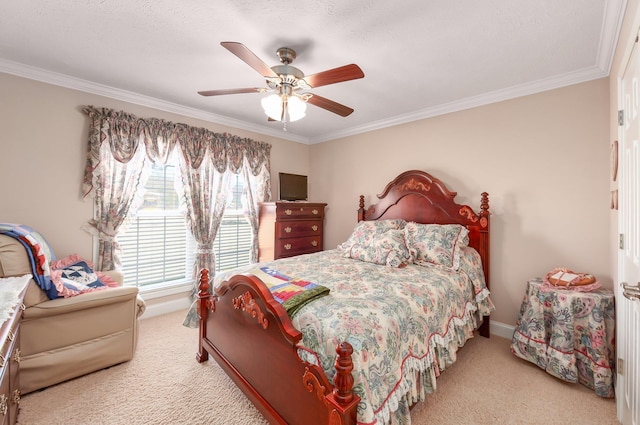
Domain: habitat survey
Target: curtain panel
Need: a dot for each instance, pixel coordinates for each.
(121, 149)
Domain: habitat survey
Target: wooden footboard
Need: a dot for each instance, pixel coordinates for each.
(252, 338)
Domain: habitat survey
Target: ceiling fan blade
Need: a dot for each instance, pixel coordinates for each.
(231, 91)
(241, 51)
(330, 105)
(335, 75)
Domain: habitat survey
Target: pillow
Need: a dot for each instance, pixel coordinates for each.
(388, 248)
(438, 244)
(73, 275)
(366, 231)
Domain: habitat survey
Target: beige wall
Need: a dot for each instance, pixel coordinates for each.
(543, 159)
(43, 135)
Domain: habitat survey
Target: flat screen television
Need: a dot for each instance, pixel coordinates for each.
(293, 187)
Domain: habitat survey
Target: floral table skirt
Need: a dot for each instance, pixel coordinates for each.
(569, 334)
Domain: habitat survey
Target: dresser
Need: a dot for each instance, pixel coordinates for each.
(289, 228)
(13, 307)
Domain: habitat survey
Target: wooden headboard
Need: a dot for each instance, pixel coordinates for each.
(419, 197)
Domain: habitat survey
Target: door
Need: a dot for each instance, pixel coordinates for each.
(628, 285)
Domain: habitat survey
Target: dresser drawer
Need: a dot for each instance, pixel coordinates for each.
(296, 246)
(295, 229)
(299, 211)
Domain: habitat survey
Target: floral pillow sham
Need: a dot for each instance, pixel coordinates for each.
(396, 243)
(388, 248)
(438, 244)
(366, 231)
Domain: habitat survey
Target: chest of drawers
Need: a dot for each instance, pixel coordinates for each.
(9, 365)
(290, 228)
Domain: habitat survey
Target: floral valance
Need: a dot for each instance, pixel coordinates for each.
(125, 133)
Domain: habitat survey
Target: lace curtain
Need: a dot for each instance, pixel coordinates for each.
(122, 148)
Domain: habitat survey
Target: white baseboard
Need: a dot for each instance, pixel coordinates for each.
(501, 329)
(164, 307)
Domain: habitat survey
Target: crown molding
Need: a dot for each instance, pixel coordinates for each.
(79, 84)
(611, 25)
(472, 102)
(66, 81)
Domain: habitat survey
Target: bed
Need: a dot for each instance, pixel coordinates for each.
(375, 344)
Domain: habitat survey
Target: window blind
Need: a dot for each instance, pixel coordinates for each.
(158, 249)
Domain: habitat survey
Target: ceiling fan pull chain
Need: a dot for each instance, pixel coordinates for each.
(285, 111)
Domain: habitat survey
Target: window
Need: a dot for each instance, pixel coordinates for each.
(233, 242)
(155, 245)
(158, 249)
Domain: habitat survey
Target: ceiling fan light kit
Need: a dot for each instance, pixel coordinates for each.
(287, 103)
(284, 108)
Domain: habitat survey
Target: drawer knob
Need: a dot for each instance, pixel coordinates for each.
(314, 242)
(16, 356)
(287, 229)
(288, 212)
(314, 211)
(287, 246)
(314, 228)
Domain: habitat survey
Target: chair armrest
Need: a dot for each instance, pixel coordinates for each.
(82, 302)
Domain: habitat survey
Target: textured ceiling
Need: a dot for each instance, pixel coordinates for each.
(420, 57)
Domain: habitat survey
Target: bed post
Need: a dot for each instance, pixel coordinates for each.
(361, 209)
(484, 222)
(342, 397)
(202, 306)
(484, 250)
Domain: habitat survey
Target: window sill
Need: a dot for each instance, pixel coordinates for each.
(159, 291)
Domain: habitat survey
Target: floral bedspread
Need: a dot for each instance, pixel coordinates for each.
(569, 334)
(405, 324)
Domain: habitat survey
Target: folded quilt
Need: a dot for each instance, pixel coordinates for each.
(39, 252)
(58, 278)
(291, 292)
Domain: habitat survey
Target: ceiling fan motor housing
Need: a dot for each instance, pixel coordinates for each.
(289, 75)
(286, 55)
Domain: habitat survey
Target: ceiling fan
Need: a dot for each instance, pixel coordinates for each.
(286, 82)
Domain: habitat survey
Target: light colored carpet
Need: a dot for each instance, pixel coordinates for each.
(164, 384)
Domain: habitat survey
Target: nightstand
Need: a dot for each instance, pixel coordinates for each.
(569, 334)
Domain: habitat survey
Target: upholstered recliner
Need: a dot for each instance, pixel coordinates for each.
(64, 338)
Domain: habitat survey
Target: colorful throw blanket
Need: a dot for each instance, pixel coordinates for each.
(66, 277)
(291, 292)
(40, 254)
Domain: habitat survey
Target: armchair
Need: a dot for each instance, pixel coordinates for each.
(64, 338)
